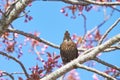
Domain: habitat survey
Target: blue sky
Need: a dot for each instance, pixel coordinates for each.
(52, 24)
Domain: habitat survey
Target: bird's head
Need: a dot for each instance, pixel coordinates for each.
(67, 36)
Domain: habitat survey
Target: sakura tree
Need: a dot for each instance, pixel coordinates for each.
(94, 43)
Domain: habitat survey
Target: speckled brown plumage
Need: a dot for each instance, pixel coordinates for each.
(68, 49)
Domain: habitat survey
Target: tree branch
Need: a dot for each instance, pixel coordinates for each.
(12, 13)
(102, 3)
(33, 37)
(81, 59)
(95, 71)
(107, 64)
(107, 32)
(76, 2)
(86, 2)
(13, 58)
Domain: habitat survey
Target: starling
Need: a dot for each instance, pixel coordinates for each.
(68, 49)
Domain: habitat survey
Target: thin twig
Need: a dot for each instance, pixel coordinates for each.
(6, 73)
(48, 0)
(13, 73)
(13, 58)
(106, 64)
(101, 23)
(117, 74)
(95, 71)
(39, 56)
(24, 13)
(115, 8)
(112, 48)
(85, 30)
(10, 74)
(106, 33)
(95, 28)
(17, 73)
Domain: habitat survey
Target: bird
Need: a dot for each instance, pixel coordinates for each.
(68, 49)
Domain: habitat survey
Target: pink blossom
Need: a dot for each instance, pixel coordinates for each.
(95, 77)
(1, 72)
(62, 11)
